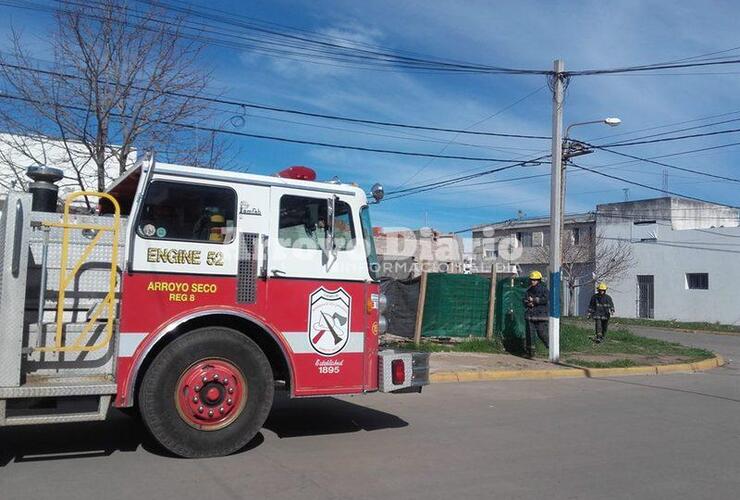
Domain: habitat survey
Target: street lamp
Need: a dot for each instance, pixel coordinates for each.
(612, 121)
(557, 221)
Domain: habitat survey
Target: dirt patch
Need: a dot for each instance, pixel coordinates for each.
(638, 359)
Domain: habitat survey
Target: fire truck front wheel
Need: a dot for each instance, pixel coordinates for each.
(207, 393)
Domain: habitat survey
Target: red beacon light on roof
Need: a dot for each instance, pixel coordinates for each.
(298, 172)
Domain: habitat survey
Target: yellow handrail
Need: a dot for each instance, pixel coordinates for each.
(65, 278)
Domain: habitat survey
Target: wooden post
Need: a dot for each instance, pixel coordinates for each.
(491, 303)
(420, 305)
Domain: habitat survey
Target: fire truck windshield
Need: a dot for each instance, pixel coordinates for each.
(367, 236)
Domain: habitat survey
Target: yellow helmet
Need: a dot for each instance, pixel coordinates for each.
(602, 286)
(535, 275)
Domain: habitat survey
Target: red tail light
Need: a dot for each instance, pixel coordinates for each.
(398, 371)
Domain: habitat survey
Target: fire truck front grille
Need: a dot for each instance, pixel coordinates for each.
(246, 287)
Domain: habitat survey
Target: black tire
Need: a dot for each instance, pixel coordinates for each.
(159, 410)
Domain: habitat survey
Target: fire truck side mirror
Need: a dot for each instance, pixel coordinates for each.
(377, 192)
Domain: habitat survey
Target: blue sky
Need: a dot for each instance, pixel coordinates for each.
(528, 34)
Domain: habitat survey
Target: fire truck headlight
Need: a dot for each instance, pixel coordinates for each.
(382, 324)
(382, 302)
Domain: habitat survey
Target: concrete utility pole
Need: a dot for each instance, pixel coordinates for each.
(558, 91)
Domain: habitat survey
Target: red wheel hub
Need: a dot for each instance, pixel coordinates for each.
(211, 394)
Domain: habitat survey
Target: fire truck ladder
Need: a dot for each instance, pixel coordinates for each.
(66, 278)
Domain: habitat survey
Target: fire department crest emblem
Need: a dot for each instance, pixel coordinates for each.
(329, 320)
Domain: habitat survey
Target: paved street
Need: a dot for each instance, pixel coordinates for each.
(674, 436)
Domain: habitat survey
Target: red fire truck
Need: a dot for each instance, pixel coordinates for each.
(190, 295)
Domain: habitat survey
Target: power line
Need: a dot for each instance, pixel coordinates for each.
(271, 137)
(245, 104)
(274, 42)
(436, 185)
(667, 165)
(666, 125)
(669, 139)
(534, 161)
(524, 98)
(364, 55)
(678, 153)
(604, 174)
(229, 18)
(631, 69)
(685, 129)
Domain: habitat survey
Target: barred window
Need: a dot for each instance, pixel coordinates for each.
(697, 281)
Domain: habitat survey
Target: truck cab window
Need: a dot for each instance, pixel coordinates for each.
(303, 223)
(187, 212)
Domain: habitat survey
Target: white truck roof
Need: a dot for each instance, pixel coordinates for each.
(129, 179)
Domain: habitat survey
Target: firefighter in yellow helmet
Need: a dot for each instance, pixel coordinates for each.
(600, 309)
(536, 314)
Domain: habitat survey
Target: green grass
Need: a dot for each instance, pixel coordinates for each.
(617, 363)
(685, 325)
(576, 341)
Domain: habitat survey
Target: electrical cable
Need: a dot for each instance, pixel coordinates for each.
(292, 45)
(646, 186)
(274, 138)
(670, 139)
(667, 165)
(426, 165)
(245, 104)
(436, 185)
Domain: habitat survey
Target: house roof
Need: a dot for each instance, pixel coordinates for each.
(536, 221)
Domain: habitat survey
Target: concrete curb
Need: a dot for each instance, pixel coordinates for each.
(573, 372)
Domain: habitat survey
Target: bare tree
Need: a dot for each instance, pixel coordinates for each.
(120, 79)
(592, 259)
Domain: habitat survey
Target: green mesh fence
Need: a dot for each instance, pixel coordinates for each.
(509, 312)
(456, 305)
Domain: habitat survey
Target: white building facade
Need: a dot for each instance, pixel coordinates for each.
(687, 259)
(18, 152)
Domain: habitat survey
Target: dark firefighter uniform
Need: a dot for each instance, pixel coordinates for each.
(536, 313)
(600, 309)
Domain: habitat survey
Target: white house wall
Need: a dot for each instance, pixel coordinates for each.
(17, 153)
(668, 257)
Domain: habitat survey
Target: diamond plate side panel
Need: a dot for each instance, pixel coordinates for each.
(12, 287)
(246, 289)
(54, 391)
(91, 283)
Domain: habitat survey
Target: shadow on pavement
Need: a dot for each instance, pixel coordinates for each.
(122, 433)
(67, 441)
(325, 415)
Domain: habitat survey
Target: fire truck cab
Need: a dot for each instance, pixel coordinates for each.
(190, 294)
